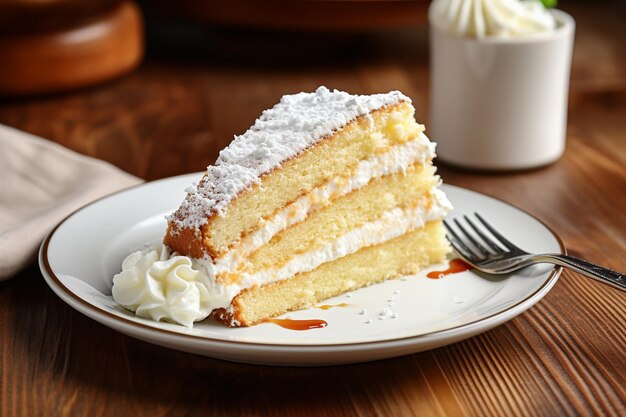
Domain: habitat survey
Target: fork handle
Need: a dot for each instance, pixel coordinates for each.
(605, 275)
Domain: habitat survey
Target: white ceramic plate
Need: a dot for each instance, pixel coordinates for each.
(80, 256)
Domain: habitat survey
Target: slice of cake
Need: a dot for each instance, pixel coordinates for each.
(327, 192)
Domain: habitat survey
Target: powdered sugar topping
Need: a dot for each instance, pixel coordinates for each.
(291, 126)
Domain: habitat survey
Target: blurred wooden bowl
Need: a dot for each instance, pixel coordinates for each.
(95, 48)
(28, 16)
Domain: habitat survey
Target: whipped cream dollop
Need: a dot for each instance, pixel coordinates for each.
(491, 18)
(156, 285)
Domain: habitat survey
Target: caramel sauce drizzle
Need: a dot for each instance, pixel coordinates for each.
(455, 266)
(292, 324)
(329, 306)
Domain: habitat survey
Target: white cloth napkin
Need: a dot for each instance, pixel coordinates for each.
(41, 183)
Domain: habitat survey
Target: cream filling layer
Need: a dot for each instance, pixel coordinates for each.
(392, 223)
(164, 286)
(397, 159)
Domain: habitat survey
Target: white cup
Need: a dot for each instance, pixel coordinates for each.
(500, 104)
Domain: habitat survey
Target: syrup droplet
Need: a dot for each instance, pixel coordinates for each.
(455, 266)
(292, 324)
(329, 306)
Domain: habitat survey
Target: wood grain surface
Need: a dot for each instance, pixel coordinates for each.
(563, 357)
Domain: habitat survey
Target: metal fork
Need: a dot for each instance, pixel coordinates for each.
(497, 255)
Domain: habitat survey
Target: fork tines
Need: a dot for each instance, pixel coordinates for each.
(480, 245)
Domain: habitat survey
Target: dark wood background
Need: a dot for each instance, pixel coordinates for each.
(563, 357)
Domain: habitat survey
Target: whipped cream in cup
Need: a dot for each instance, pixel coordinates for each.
(491, 18)
(499, 82)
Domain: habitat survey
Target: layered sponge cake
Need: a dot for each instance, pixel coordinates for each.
(327, 192)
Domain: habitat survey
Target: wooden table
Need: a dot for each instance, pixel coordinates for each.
(565, 356)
